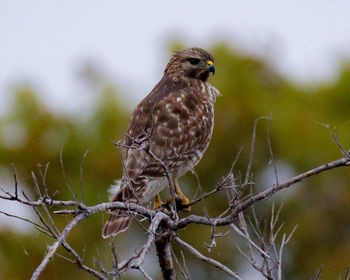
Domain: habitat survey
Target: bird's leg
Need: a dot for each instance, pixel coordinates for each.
(184, 200)
(157, 202)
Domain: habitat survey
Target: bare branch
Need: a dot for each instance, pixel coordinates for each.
(81, 176)
(54, 247)
(263, 251)
(65, 177)
(224, 184)
(138, 260)
(335, 137)
(334, 134)
(252, 146)
(115, 260)
(270, 148)
(185, 265)
(346, 274)
(25, 220)
(196, 253)
(194, 219)
(236, 159)
(202, 192)
(57, 232)
(163, 248)
(144, 274)
(318, 274)
(15, 178)
(249, 240)
(185, 275)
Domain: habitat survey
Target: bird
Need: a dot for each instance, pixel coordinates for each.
(172, 126)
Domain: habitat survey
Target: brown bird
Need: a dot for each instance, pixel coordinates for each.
(176, 121)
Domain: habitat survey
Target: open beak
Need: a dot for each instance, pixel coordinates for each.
(210, 67)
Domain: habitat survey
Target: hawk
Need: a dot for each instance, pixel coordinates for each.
(176, 121)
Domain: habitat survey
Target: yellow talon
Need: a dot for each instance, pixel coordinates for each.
(157, 202)
(184, 200)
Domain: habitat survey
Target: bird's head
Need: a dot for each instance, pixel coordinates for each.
(194, 63)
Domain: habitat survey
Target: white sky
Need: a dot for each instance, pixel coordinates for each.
(44, 42)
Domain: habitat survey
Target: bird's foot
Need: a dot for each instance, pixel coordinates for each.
(182, 202)
(159, 205)
(157, 202)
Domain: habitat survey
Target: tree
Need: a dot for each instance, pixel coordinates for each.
(163, 226)
(250, 89)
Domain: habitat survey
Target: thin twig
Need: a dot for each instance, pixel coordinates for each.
(199, 255)
(185, 265)
(183, 272)
(270, 148)
(252, 146)
(138, 260)
(241, 233)
(57, 243)
(202, 192)
(24, 219)
(81, 176)
(262, 195)
(144, 273)
(65, 177)
(15, 179)
(164, 226)
(115, 259)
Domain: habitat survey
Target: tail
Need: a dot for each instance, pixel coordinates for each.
(118, 221)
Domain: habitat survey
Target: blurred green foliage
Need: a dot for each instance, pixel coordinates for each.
(31, 134)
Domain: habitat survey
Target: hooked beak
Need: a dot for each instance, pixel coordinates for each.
(210, 67)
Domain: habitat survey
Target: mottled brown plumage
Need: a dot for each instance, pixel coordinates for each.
(176, 121)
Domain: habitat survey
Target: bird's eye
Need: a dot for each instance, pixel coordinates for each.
(193, 61)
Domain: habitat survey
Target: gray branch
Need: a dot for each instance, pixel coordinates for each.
(163, 226)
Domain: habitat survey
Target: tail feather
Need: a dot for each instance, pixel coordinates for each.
(117, 222)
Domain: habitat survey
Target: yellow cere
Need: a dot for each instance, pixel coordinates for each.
(209, 62)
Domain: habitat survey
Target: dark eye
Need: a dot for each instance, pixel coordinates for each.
(193, 61)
